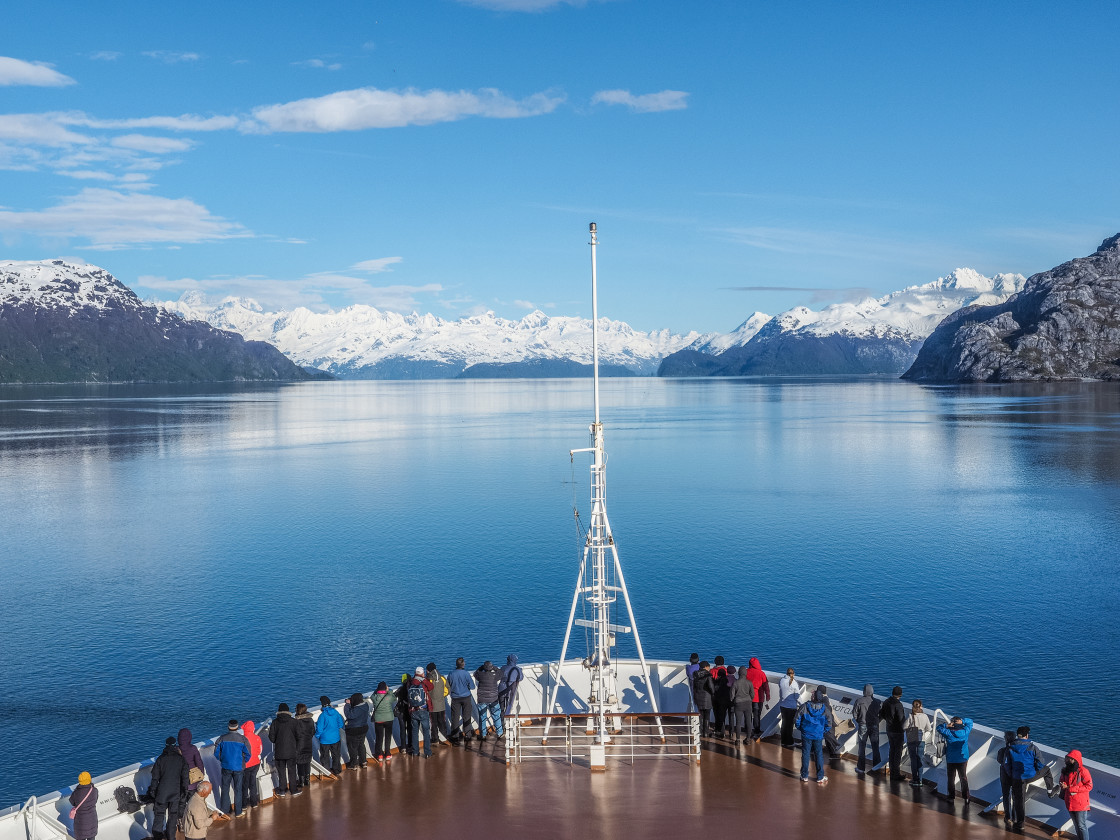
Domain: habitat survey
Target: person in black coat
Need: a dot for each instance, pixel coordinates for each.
(170, 780)
(84, 800)
(703, 690)
(283, 732)
(305, 734)
(893, 714)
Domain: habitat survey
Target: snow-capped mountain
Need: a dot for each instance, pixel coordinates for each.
(366, 343)
(718, 343)
(875, 335)
(65, 322)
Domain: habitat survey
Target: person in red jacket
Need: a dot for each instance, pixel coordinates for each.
(250, 791)
(761, 694)
(1075, 784)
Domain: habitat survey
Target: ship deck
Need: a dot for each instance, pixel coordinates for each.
(464, 792)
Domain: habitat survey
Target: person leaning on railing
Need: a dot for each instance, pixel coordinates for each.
(956, 754)
(789, 698)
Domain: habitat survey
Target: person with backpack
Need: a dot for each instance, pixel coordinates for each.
(328, 731)
(789, 700)
(703, 691)
(419, 709)
(283, 732)
(1005, 776)
(760, 696)
(84, 812)
(168, 789)
(919, 729)
(488, 678)
(356, 712)
(721, 699)
(250, 790)
(382, 702)
(813, 720)
(232, 751)
(512, 675)
(305, 744)
(440, 727)
(865, 715)
(1025, 764)
(956, 736)
(1074, 786)
(460, 683)
(893, 714)
(404, 717)
(741, 707)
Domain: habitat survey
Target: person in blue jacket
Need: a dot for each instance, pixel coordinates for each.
(328, 731)
(956, 754)
(232, 751)
(813, 721)
(1024, 763)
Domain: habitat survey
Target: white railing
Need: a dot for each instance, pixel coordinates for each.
(673, 735)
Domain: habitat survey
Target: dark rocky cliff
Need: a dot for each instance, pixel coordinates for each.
(1065, 324)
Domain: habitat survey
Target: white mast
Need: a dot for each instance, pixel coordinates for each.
(598, 591)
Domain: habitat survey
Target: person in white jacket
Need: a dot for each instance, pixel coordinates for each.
(789, 698)
(919, 732)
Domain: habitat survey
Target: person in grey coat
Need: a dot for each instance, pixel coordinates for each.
(865, 715)
(742, 694)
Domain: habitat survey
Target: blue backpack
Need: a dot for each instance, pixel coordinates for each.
(417, 697)
(1022, 758)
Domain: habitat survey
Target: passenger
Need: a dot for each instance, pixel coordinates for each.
(789, 698)
(718, 668)
(488, 677)
(328, 729)
(356, 712)
(919, 729)
(440, 727)
(813, 721)
(830, 742)
(761, 694)
(865, 715)
(1076, 782)
(721, 699)
(305, 737)
(691, 668)
(419, 709)
(382, 702)
(511, 678)
(703, 689)
(1026, 765)
(283, 732)
(250, 789)
(199, 817)
(196, 772)
(460, 683)
(732, 675)
(404, 719)
(956, 754)
(84, 812)
(232, 751)
(1005, 775)
(742, 693)
(893, 714)
(168, 790)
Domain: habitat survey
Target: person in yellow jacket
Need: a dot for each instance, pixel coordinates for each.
(199, 817)
(440, 724)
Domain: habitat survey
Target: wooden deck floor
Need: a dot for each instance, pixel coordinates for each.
(471, 793)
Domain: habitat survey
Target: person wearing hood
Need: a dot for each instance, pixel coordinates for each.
(196, 771)
(168, 789)
(439, 705)
(488, 678)
(84, 812)
(813, 719)
(382, 702)
(956, 754)
(761, 696)
(328, 731)
(232, 751)
(1074, 785)
(420, 711)
(1025, 764)
(691, 668)
(789, 699)
(404, 717)
(250, 790)
(356, 712)
(703, 692)
(198, 817)
(865, 715)
(511, 678)
(282, 732)
(305, 738)
(741, 707)
(721, 699)
(461, 683)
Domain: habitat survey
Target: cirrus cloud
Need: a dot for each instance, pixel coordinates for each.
(646, 103)
(15, 71)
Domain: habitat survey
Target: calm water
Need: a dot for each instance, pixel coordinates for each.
(176, 557)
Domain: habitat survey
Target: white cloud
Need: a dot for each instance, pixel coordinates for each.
(317, 63)
(185, 122)
(171, 57)
(354, 110)
(87, 175)
(376, 266)
(646, 103)
(109, 219)
(39, 130)
(105, 55)
(14, 71)
(153, 145)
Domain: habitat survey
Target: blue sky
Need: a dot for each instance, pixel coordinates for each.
(447, 156)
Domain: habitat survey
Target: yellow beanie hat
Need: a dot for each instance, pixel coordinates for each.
(84, 779)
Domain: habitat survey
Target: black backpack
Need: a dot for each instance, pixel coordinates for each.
(127, 803)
